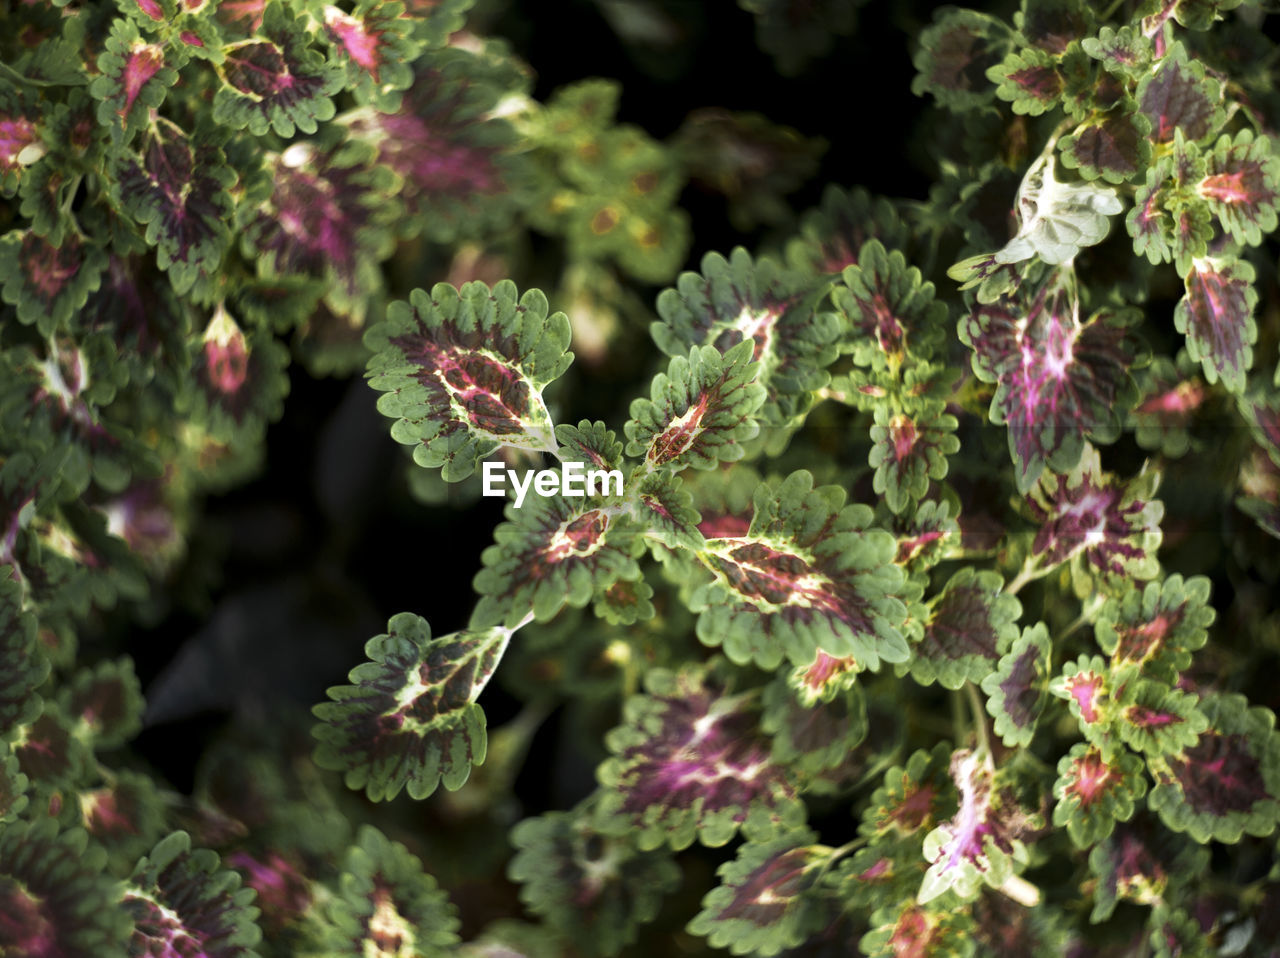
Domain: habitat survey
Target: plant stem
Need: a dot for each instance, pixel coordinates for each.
(979, 718)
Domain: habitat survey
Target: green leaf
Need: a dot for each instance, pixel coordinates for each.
(740, 299)
(1057, 219)
(910, 448)
(1016, 690)
(810, 574)
(22, 665)
(702, 409)
(954, 54)
(386, 901)
(1158, 626)
(1112, 146)
(760, 907)
(890, 309)
(594, 890)
(1170, 220)
(1029, 80)
(176, 896)
(969, 625)
(13, 786)
(462, 372)
(276, 81)
(813, 737)
(410, 719)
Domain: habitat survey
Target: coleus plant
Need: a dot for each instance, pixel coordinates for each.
(926, 616)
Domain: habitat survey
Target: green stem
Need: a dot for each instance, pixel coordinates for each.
(979, 719)
(17, 77)
(1107, 14)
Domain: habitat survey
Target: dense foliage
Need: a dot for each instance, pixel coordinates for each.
(935, 614)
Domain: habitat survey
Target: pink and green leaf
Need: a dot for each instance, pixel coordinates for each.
(813, 738)
(1112, 146)
(1158, 626)
(1058, 380)
(134, 78)
(324, 217)
(1228, 783)
(180, 191)
(833, 235)
(980, 844)
(276, 81)
(551, 552)
(1113, 525)
(971, 623)
(912, 798)
(1093, 792)
(48, 284)
(1138, 862)
(1124, 51)
(1177, 95)
(54, 894)
(386, 903)
(182, 902)
(462, 372)
(700, 412)
(1086, 685)
(410, 718)
(664, 510)
(1029, 80)
(1155, 719)
(954, 55)
(910, 448)
(1242, 186)
(691, 762)
(1216, 315)
(105, 703)
(374, 43)
(889, 308)
(759, 906)
(810, 575)
(453, 160)
(738, 299)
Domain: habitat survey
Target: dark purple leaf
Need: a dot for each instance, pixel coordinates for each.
(1059, 380)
